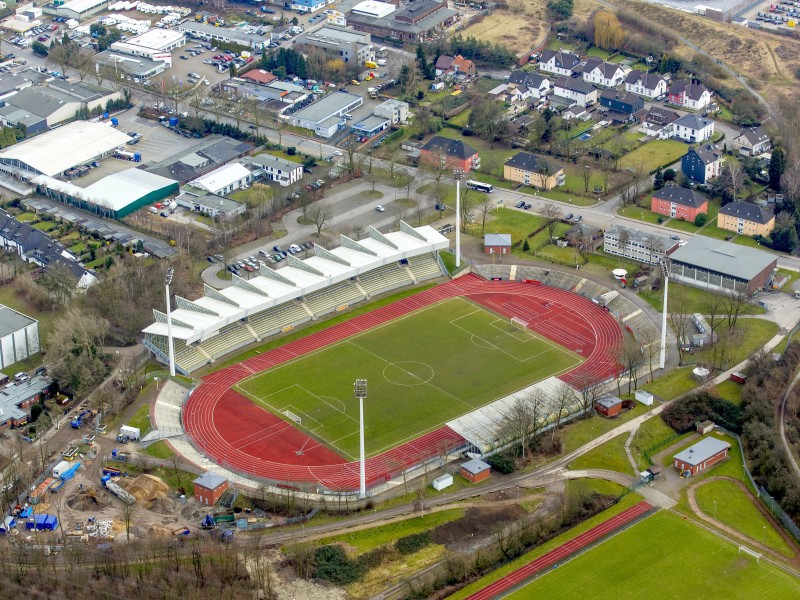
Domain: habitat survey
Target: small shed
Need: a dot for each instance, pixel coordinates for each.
(497, 243)
(738, 377)
(209, 487)
(704, 427)
(442, 482)
(609, 406)
(8, 524)
(475, 470)
(645, 398)
(702, 455)
(132, 433)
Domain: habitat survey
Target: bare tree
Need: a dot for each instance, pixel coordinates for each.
(128, 512)
(650, 339)
(524, 420)
(587, 177)
(319, 214)
(485, 208)
(737, 303)
(677, 309)
(589, 390)
(552, 214)
(733, 177)
(631, 356)
(466, 207)
(563, 399)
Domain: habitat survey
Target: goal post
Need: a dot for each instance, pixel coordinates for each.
(519, 323)
(752, 553)
(293, 417)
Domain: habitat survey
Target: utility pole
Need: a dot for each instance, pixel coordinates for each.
(361, 393)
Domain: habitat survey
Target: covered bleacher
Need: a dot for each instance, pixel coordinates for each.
(222, 321)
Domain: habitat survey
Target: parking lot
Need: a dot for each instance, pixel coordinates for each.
(778, 15)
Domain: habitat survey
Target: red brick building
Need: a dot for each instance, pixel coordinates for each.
(497, 243)
(704, 454)
(678, 203)
(475, 470)
(209, 487)
(609, 406)
(453, 154)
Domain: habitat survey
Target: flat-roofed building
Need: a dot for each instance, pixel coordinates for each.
(76, 9)
(204, 31)
(417, 22)
(650, 248)
(156, 45)
(326, 116)
(19, 336)
(339, 43)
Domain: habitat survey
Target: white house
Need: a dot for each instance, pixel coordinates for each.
(560, 63)
(693, 129)
(649, 85)
(689, 95)
(394, 110)
(275, 168)
(603, 73)
(752, 141)
(582, 92)
(224, 180)
(510, 92)
(657, 123)
(537, 85)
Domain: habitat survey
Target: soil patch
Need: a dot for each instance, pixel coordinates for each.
(147, 489)
(86, 501)
(476, 523)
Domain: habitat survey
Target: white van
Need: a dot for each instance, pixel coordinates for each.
(294, 249)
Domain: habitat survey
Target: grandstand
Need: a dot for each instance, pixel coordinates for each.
(222, 321)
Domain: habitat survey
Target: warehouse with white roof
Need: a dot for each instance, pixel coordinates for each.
(274, 301)
(46, 154)
(228, 178)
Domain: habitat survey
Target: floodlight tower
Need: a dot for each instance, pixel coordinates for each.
(458, 175)
(662, 361)
(361, 393)
(167, 281)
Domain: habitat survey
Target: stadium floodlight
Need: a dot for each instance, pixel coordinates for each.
(662, 359)
(458, 175)
(360, 389)
(167, 281)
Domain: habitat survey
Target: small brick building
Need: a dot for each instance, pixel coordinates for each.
(497, 243)
(609, 406)
(475, 470)
(209, 487)
(702, 455)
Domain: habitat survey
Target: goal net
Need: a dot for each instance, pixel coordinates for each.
(293, 417)
(519, 323)
(750, 552)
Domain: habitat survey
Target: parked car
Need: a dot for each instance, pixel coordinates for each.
(520, 204)
(380, 208)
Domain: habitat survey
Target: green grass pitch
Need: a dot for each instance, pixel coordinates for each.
(422, 369)
(663, 557)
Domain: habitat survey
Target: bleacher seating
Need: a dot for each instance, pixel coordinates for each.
(385, 278)
(330, 298)
(424, 267)
(188, 357)
(591, 289)
(229, 338)
(274, 319)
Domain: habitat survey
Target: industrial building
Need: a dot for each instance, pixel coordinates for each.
(722, 266)
(114, 196)
(15, 401)
(135, 66)
(45, 154)
(212, 152)
(340, 43)
(25, 18)
(217, 207)
(326, 116)
(156, 45)
(371, 126)
(416, 22)
(76, 9)
(204, 31)
(224, 180)
(19, 336)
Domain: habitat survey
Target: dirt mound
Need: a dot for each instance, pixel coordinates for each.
(86, 500)
(147, 488)
(476, 523)
(163, 506)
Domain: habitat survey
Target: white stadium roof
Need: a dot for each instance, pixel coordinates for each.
(60, 149)
(198, 320)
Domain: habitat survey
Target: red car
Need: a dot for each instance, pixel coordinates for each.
(248, 268)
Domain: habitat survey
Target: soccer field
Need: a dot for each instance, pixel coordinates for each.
(663, 557)
(423, 369)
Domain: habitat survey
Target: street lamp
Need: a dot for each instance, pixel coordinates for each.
(458, 175)
(360, 389)
(715, 510)
(167, 281)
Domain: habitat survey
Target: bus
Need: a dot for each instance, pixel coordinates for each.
(481, 187)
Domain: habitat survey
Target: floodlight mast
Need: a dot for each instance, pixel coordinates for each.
(360, 388)
(167, 281)
(458, 175)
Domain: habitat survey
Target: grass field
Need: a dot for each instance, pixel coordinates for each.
(732, 508)
(435, 364)
(609, 455)
(655, 153)
(680, 560)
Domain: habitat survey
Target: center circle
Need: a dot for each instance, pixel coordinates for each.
(408, 373)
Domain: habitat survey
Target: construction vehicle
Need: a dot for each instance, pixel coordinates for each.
(207, 522)
(370, 65)
(112, 472)
(81, 419)
(56, 485)
(118, 456)
(117, 490)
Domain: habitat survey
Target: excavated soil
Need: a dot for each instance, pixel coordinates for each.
(146, 489)
(86, 501)
(477, 522)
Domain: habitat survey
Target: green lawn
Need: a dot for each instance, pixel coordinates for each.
(26, 217)
(597, 52)
(696, 298)
(461, 119)
(368, 539)
(609, 455)
(671, 558)
(280, 153)
(676, 383)
(732, 508)
(159, 450)
(650, 433)
(478, 358)
(640, 213)
(577, 433)
(45, 226)
(141, 419)
(653, 154)
(520, 224)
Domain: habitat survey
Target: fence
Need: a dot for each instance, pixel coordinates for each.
(647, 453)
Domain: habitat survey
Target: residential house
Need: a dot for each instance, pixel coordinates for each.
(510, 93)
(454, 154)
(574, 113)
(454, 67)
(693, 129)
(746, 219)
(274, 168)
(443, 65)
(689, 95)
(560, 63)
(260, 76)
(538, 85)
(649, 85)
(657, 122)
(535, 171)
(625, 103)
(703, 163)
(602, 73)
(582, 92)
(679, 203)
(637, 245)
(752, 141)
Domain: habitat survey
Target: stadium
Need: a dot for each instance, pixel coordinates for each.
(444, 364)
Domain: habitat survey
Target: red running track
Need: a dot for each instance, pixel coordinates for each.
(236, 433)
(563, 552)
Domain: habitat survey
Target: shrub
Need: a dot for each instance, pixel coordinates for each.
(501, 463)
(682, 414)
(36, 410)
(291, 151)
(332, 564)
(701, 219)
(414, 542)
